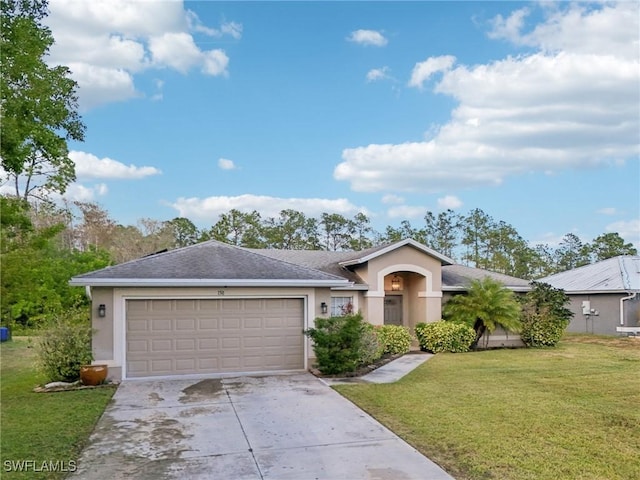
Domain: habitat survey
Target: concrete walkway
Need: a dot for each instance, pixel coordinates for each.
(256, 428)
(389, 373)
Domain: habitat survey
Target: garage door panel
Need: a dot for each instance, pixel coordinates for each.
(185, 324)
(159, 306)
(168, 337)
(208, 323)
(162, 325)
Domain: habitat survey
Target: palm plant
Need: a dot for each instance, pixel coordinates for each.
(486, 306)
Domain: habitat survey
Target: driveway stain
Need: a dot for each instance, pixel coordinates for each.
(154, 398)
(192, 412)
(205, 389)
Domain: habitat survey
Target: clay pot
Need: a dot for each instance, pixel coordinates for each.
(93, 374)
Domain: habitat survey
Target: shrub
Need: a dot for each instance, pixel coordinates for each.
(544, 315)
(370, 347)
(342, 344)
(63, 349)
(393, 339)
(445, 336)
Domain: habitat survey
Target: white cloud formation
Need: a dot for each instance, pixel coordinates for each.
(449, 202)
(378, 74)
(368, 37)
(107, 42)
(542, 112)
(232, 29)
(627, 229)
(80, 193)
(208, 209)
(422, 71)
(406, 211)
(226, 164)
(89, 166)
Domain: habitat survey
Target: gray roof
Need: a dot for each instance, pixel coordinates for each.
(208, 264)
(322, 260)
(617, 274)
(459, 277)
(215, 263)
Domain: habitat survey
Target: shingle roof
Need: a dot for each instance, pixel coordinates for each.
(322, 260)
(207, 263)
(215, 263)
(459, 277)
(617, 274)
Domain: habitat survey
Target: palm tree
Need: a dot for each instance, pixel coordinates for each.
(486, 306)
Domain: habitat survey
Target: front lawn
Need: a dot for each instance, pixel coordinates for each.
(561, 413)
(49, 428)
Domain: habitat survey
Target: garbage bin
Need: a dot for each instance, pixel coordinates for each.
(4, 334)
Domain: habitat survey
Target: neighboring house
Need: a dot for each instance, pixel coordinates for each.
(218, 308)
(604, 296)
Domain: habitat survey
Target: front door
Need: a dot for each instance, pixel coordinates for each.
(393, 310)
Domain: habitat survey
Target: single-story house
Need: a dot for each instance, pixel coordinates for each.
(604, 296)
(218, 308)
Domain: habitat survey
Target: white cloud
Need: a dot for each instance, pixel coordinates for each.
(579, 28)
(607, 211)
(422, 71)
(99, 85)
(81, 193)
(392, 199)
(107, 42)
(226, 164)
(449, 202)
(175, 50)
(629, 230)
(208, 209)
(509, 28)
(368, 37)
(406, 211)
(377, 74)
(215, 63)
(542, 112)
(90, 166)
(232, 29)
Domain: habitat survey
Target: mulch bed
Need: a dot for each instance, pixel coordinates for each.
(360, 371)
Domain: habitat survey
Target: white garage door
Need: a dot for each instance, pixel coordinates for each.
(172, 337)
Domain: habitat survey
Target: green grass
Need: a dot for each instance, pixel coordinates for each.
(571, 412)
(41, 427)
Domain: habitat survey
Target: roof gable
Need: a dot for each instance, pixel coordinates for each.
(367, 255)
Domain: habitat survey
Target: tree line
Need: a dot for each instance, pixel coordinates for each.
(43, 245)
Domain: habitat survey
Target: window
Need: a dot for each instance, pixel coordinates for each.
(341, 306)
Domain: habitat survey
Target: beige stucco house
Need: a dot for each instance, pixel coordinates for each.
(218, 308)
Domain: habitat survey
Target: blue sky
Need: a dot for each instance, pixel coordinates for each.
(529, 111)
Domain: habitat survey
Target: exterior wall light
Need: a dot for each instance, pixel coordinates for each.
(102, 310)
(324, 308)
(395, 283)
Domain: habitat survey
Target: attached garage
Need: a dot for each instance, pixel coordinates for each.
(195, 336)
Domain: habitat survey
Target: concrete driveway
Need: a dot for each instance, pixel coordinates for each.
(272, 427)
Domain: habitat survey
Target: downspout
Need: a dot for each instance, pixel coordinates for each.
(87, 291)
(630, 297)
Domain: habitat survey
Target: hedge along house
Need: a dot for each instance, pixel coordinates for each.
(605, 296)
(217, 308)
